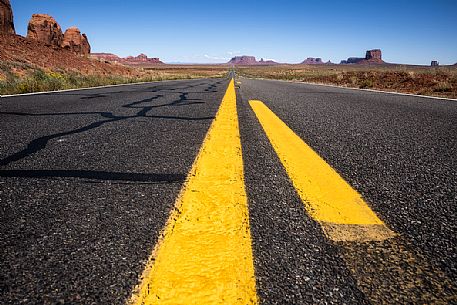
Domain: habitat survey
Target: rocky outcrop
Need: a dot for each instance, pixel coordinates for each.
(37, 55)
(243, 60)
(6, 18)
(106, 57)
(75, 42)
(142, 59)
(139, 60)
(313, 61)
(375, 55)
(85, 45)
(371, 57)
(249, 61)
(45, 29)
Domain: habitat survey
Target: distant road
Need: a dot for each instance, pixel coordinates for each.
(295, 194)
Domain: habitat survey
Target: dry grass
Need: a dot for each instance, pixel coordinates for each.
(25, 78)
(186, 71)
(429, 81)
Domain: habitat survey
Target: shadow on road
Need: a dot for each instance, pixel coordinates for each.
(144, 107)
(94, 175)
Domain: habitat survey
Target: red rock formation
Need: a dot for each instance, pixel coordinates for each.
(75, 42)
(85, 45)
(141, 59)
(38, 55)
(371, 57)
(313, 61)
(243, 60)
(6, 18)
(375, 55)
(44, 28)
(249, 61)
(106, 56)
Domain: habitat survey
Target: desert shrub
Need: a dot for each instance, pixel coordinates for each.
(443, 87)
(366, 84)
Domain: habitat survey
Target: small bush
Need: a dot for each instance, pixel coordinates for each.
(366, 84)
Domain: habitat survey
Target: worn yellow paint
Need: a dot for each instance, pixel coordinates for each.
(205, 254)
(328, 198)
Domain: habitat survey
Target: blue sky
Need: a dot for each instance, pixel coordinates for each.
(203, 31)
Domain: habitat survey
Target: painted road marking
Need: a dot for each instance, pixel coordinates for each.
(328, 198)
(205, 254)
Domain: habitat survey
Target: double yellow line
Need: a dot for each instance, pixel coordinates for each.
(205, 253)
(328, 198)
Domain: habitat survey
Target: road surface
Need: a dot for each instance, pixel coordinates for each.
(101, 187)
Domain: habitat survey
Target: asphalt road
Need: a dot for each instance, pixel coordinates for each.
(398, 151)
(88, 180)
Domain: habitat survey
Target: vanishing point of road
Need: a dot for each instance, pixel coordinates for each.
(227, 191)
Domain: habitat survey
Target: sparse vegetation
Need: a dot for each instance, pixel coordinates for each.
(440, 81)
(18, 78)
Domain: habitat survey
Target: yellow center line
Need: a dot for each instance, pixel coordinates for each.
(328, 198)
(205, 254)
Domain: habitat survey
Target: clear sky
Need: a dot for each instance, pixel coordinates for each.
(205, 31)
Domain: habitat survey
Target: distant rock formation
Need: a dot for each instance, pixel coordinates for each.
(250, 61)
(141, 59)
(434, 63)
(313, 61)
(45, 29)
(75, 42)
(106, 57)
(371, 57)
(243, 60)
(352, 60)
(6, 18)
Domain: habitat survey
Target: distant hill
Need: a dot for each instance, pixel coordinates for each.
(140, 60)
(250, 61)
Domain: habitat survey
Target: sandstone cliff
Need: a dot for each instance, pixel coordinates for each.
(6, 18)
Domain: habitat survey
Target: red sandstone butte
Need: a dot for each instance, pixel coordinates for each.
(243, 60)
(375, 55)
(45, 29)
(75, 42)
(313, 61)
(249, 61)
